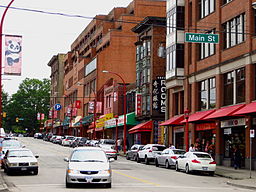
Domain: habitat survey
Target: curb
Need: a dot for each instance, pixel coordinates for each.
(229, 177)
(241, 186)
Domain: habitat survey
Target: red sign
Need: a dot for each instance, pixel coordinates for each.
(38, 116)
(55, 114)
(205, 126)
(138, 105)
(78, 104)
(42, 116)
(50, 114)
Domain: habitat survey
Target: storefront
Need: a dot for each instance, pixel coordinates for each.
(178, 137)
(234, 137)
(100, 125)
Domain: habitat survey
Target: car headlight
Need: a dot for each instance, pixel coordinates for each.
(105, 171)
(13, 164)
(73, 171)
(33, 163)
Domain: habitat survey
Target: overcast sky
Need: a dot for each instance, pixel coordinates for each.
(47, 35)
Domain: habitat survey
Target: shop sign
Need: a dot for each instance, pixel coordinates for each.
(78, 104)
(232, 123)
(178, 129)
(101, 121)
(227, 131)
(159, 95)
(110, 123)
(252, 134)
(205, 126)
(138, 104)
(91, 107)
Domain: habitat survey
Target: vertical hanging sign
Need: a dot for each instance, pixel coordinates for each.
(13, 47)
(159, 95)
(138, 104)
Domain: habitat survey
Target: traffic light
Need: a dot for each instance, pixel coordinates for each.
(17, 119)
(4, 114)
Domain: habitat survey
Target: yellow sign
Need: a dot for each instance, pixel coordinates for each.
(101, 121)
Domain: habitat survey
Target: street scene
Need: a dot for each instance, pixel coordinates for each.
(143, 95)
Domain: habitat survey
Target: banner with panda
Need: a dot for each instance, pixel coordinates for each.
(13, 45)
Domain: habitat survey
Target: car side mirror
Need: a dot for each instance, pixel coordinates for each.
(36, 156)
(66, 159)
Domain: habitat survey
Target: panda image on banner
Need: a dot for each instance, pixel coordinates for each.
(12, 52)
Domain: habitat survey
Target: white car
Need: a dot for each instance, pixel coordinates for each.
(17, 160)
(88, 165)
(149, 152)
(196, 161)
(67, 140)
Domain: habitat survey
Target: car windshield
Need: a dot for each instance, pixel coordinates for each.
(179, 152)
(202, 155)
(88, 156)
(158, 148)
(24, 153)
(11, 144)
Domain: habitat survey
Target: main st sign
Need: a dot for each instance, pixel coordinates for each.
(201, 38)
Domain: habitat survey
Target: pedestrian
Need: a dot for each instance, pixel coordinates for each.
(192, 148)
(171, 146)
(118, 143)
(237, 157)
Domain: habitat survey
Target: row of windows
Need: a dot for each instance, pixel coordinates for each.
(175, 19)
(143, 50)
(233, 86)
(90, 87)
(143, 77)
(175, 57)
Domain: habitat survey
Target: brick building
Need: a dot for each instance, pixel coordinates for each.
(218, 82)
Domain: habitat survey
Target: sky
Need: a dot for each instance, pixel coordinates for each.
(44, 36)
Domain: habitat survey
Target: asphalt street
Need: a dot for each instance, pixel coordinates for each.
(127, 175)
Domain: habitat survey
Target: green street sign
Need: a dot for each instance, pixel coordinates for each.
(201, 38)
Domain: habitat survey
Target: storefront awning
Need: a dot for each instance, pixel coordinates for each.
(87, 119)
(199, 116)
(142, 127)
(173, 121)
(66, 121)
(249, 108)
(225, 111)
(77, 121)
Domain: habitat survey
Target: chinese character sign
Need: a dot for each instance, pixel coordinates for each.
(138, 104)
(13, 45)
(159, 95)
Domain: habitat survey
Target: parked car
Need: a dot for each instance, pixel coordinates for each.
(47, 136)
(107, 142)
(133, 152)
(110, 151)
(94, 143)
(88, 165)
(20, 160)
(168, 157)
(38, 136)
(196, 161)
(9, 144)
(72, 144)
(149, 152)
(79, 141)
(57, 139)
(53, 138)
(67, 140)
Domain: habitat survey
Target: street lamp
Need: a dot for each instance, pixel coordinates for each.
(116, 117)
(124, 92)
(1, 52)
(186, 138)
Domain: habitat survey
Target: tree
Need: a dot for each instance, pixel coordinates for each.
(32, 97)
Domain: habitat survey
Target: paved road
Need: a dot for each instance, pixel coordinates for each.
(127, 175)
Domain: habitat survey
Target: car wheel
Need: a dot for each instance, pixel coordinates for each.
(211, 173)
(68, 185)
(35, 172)
(187, 169)
(138, 159)
(127, 157)
(156, 163)
(167, 165)
(108, 185)
(177, 167)
(146, 160)
(115, 158)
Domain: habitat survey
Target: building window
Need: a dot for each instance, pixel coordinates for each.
(175, 57)
(138, 48)
(234, 31)
(175, 19)
(226, 1)
(207, 49)
(234, 87)
(206, 7)
(207, 94)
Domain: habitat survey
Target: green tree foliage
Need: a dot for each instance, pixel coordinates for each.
(32, 97)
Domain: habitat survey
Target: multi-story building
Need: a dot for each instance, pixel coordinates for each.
(107, 43)
(219, 80)
(150, 80)
(57, 74)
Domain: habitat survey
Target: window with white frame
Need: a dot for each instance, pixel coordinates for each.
(234, 31)
(206, 7)
(226, 1)
(207, 94)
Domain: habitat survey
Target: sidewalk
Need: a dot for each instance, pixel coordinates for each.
(238, 177)
(3, 186)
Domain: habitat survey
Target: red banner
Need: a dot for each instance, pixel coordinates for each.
(138, 105)
(13, 45)
(78, 104)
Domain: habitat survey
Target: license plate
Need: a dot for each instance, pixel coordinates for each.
(88, 179)
(205, 168)
(23, 169)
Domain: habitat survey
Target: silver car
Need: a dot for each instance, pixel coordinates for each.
(88, 165)
(168, 157)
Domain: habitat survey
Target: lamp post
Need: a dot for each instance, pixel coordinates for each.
(186, 138)
(1, 52)
(116, 117)
(124, 93)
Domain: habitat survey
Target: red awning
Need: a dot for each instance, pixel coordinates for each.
(249, 108)
(173, 121)
(142, 127)
(225, 111)
(199, 116)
